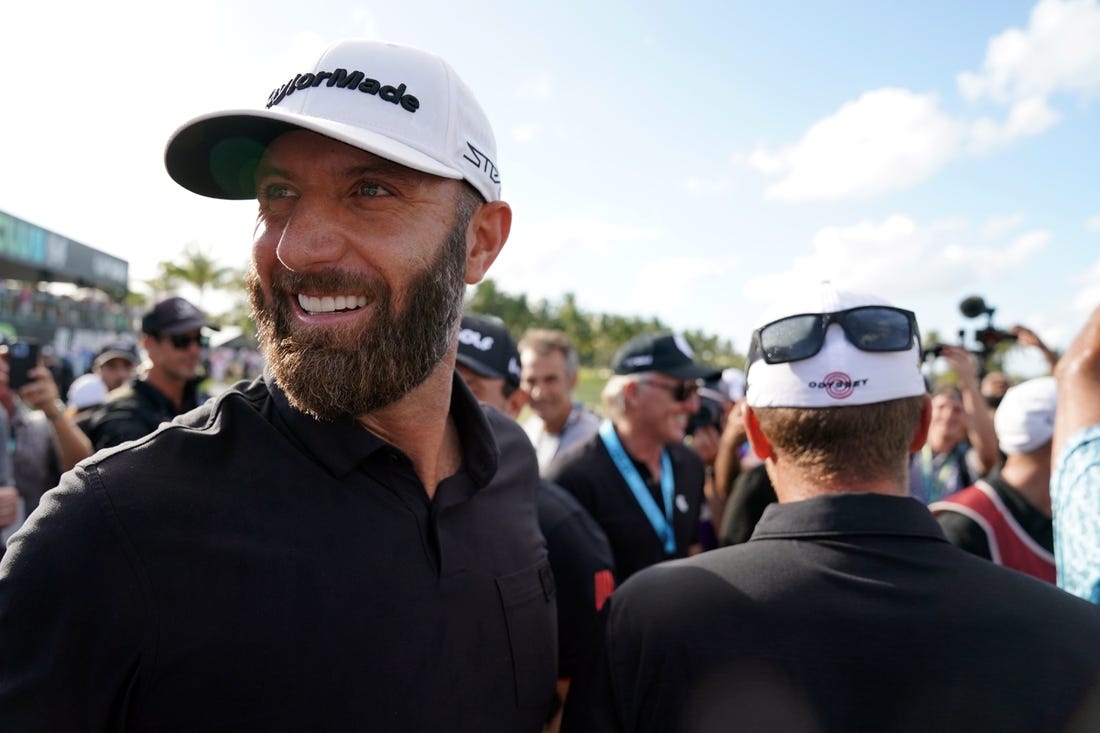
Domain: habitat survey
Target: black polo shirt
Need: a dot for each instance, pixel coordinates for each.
(249, 568)
(847, 612)
(588, 473)
(584, 573)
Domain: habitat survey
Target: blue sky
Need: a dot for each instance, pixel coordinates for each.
(692, 160)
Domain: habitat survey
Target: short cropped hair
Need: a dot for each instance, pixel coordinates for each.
(613, 397)
(858, 443)
(548, 340)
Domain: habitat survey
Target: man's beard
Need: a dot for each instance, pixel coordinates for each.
(336, 372)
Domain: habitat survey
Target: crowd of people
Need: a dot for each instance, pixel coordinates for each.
(366, 537)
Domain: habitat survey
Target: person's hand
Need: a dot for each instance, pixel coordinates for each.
(964, 366)
(705, 442)
(734, 434)
(41, 391)
(9, 505)
(1026, 337)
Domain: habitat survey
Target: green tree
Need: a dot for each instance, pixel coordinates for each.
(164, 283)
(197, 268)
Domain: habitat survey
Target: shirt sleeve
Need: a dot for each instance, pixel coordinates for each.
(1075, 499)
(71, 617)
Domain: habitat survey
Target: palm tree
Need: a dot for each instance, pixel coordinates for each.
(163, 283)
(198, 268)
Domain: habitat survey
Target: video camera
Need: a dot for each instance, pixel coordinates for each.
(988, 338)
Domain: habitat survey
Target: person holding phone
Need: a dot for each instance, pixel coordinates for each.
(44, 440)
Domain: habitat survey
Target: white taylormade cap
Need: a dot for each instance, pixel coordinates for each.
(840, 374)
(1024, 420)
(395, 101)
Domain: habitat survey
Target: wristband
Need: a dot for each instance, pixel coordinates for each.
(60, 407)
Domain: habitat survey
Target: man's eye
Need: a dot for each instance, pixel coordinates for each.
(276, 191)
(372, 190)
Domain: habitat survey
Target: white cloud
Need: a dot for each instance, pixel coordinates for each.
(712, 186)
(1093, 224)
(998, 226)
(543, 254)
(892, 138)
(886, 140)
(1058, 51)
(673, 282)
(899, 258)
(1026, 118)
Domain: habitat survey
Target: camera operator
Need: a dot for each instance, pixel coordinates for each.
(44, 440)
(962, 443)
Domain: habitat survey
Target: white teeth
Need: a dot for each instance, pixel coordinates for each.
(331, 304)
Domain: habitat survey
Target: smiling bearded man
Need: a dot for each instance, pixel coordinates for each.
(341, 372)
(349, 542)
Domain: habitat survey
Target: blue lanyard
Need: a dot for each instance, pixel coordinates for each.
(935, 486)
(662, 523)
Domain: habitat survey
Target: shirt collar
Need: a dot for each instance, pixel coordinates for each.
(848, 514)
(343, 445)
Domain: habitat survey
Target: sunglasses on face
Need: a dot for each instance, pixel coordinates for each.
(680, 391)
(183, 340)
(875, 328)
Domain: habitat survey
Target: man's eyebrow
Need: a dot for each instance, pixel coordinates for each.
(380, 168)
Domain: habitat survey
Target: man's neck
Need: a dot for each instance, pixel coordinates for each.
(168, 386)
(556, 425)
(420, 425)
(792, 484)
(1031, 478)
(640, 445)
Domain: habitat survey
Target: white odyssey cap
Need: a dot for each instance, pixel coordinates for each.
(840, 374)
(398, 102)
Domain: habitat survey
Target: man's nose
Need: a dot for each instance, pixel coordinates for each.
(310, 237)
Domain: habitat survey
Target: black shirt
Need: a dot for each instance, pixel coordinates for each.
(135, 410)
(964, 532)
(842, 613)
(248, 568)
(583, 566)
(587, 472)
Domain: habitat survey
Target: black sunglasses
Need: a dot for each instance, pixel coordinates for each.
(868, 328)
(183, 340)
(680, 391)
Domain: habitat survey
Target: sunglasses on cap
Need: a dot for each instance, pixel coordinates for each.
(680, 391)
(875, 328)
(183, 340)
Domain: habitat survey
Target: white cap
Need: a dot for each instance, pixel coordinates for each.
(397, 102)
(840, 374)
(1024, 420)
(87, 390)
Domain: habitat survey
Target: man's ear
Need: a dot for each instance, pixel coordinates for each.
(516, 402)
(485, 238)
(761, 446)
(921, 433)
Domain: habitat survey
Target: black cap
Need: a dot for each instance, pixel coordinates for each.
(117, 350)
(666, 353)
(173, 315)
(485, 346)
